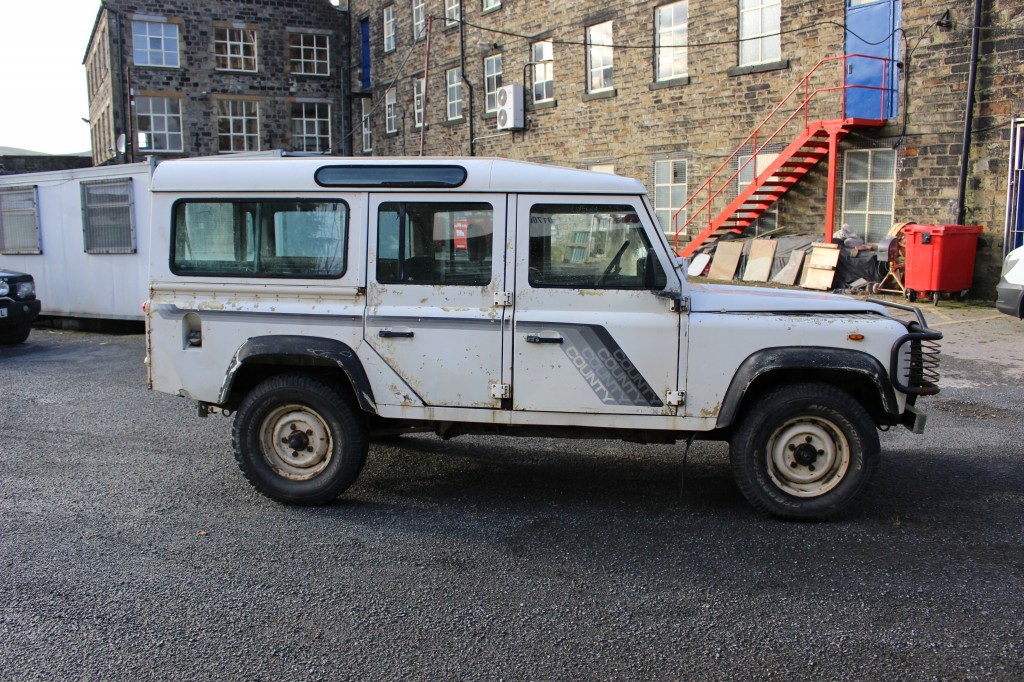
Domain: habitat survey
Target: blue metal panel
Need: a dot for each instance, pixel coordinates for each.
(364, 35)
(873, 28)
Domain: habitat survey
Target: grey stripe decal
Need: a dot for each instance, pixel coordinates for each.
(169, 311)
(601, 362)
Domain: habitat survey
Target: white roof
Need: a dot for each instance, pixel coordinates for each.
(295, 174)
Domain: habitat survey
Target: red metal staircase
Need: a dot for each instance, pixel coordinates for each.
(715, 209)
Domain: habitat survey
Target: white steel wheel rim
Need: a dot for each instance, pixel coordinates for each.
(296, 442)
(808, 456)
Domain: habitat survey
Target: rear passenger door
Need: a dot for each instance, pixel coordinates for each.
(434, 265)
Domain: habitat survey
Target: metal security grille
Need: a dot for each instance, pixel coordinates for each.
(19, 221)
(107, 221)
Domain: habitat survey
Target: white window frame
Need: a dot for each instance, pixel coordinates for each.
(418, 87)
(233, 42)
(164, 116)
(17, 205)
(671, 27)
(391, 111)
(489, 5)
(155, 44)
(760, 22)
(452, 12)
(419, 19)
(664, 206)
(313, 59)
(600, 57)
(239, 114)
(492, 81)
(872, 183)
(453, 90)
(311, 121)
(365, 109)
(389, 28)
(110, 222)
(543, 55)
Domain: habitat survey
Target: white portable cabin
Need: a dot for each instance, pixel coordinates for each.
(83, 234)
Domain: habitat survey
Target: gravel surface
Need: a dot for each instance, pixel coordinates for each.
(131, 547)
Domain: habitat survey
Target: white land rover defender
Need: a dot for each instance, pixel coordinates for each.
(326, 301)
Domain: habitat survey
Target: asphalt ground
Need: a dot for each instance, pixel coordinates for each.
(131, 546)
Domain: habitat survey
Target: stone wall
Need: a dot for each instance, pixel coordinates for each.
(706, 116)
(198, 83)
(38, 163)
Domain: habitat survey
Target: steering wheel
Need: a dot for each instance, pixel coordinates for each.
(613, 265)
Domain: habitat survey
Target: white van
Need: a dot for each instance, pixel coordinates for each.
(326, 301)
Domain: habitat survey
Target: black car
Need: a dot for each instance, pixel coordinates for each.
(18, 306)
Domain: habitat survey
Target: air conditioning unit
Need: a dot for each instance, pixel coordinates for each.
(510, 107)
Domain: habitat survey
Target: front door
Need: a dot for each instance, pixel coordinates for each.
(873, 29)
(589, 334)
(435, 263)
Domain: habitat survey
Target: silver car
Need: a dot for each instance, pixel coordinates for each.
(1010, 290)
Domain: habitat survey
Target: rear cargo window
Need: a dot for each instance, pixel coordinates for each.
(268, 238)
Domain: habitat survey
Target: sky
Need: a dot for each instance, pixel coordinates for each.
(42, 81)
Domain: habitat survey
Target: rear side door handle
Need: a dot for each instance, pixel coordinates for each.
(391, 334)
(534, 338)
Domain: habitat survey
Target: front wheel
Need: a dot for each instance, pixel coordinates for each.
(297, 441)
(805, 451)
(12, 336)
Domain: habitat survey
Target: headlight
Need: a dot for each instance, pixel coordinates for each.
(24, 289)
(5, 288)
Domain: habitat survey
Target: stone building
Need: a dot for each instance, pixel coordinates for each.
(682, 97)
(182, 78)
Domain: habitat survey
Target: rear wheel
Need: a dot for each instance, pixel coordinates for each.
(15, 335)
(298, 441)
(805, 451)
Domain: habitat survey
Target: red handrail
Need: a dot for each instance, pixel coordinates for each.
(804, 107)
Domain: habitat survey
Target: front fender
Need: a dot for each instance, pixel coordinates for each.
(805, 358)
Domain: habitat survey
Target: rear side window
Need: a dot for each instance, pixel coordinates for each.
(435, 243)
(268, 238)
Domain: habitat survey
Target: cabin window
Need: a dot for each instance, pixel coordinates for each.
(19, 221)
(270, 238)
(107, 222)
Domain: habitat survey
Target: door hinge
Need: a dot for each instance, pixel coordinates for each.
(675, 398)
(502, 299)
(501, 391)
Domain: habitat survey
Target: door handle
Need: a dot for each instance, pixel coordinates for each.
(533, 338)
(389, 334)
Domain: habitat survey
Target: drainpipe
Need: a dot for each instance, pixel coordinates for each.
(969, 116)
(469, 86)
(426, 76)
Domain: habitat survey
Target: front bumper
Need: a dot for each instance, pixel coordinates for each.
(914, 362)
(18, 312)
(1008, 298)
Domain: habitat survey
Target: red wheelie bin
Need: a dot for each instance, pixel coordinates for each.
(940, 260)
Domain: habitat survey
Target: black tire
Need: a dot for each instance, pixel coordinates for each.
(304, 416)
(12, 336)
(804, 451)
